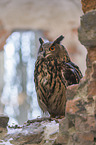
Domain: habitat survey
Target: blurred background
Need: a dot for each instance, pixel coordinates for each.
(22, 22)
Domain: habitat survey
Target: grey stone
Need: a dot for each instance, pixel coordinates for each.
(87, 30)
(32, 132)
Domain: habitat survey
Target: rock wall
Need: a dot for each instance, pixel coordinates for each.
(79, 125)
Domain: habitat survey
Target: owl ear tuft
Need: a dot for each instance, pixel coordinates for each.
(58, 40)
(41, 41)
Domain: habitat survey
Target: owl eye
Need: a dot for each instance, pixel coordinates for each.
(52, 48)
(41, 49)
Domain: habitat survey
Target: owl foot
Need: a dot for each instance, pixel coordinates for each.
(57, 118)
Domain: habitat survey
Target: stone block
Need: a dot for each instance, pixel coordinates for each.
(94, 70)
(64, 125)
(87, 125)
(3, 121)
(71, 91)
(88, 5)
(92, 89)
(87, 30)
(75, 106)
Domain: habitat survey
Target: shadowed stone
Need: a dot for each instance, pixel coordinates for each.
(87, 30)
(3, 121)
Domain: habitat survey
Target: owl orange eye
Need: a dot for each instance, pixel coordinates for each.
(52, 48)
(41, 49)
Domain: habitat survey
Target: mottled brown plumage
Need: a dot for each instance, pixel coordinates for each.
(54, 71)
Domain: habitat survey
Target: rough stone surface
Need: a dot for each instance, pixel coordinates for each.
(32, 132)
(71, 92)
(88, 5)
(87, 30)
(91, 57)
(79, 124)
(81, 105)
(3, 120)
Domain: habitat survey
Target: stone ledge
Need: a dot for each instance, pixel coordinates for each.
(39, 131)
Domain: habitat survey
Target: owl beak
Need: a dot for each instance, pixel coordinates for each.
(44, 54)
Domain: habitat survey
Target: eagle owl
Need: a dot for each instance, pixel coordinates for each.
(54, 71)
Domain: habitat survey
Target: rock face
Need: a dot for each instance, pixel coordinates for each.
(87, 30)
(79, 124)
(3, 121)
(39, 131)
(88, 5)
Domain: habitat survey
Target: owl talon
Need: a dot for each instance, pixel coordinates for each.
(57, 118)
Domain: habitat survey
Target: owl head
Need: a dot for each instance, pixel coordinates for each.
(53, 50)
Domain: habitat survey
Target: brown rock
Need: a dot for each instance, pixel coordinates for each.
(62, 139)
(91, 123)
(90, 61)
(71, 91)
(31, 138)
(82, 125)
(3, 121)
(92, 83)
(39, 131)
(75, 106)
(87, 30)
(71, 106)
(79, 124)
(64, 125)
(87, 136)
(88, 5)
(94, 70)
(91, 54)
(92, 88)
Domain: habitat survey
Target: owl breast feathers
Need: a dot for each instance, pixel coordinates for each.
(54, 71)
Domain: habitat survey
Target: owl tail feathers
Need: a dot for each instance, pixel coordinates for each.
(58, 40)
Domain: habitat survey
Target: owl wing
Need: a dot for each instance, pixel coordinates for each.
(71, 73)
(76, 68)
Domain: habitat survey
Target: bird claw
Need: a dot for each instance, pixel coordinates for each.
(57, 118)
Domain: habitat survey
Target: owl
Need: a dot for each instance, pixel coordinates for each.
(54, 72)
